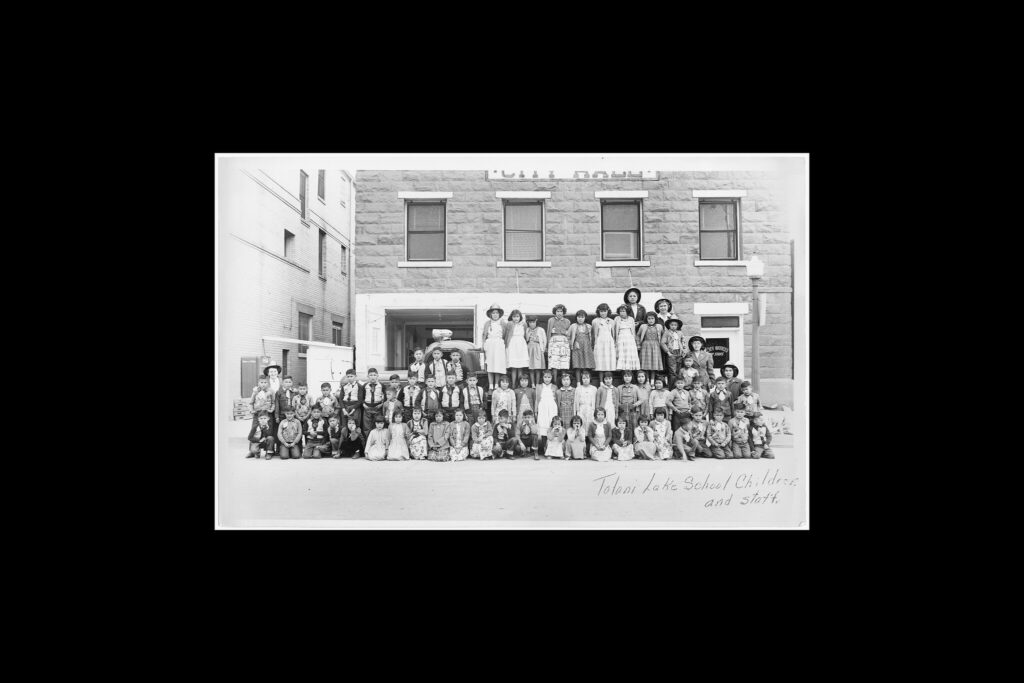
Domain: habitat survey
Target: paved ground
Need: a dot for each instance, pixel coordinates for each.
(524, 492)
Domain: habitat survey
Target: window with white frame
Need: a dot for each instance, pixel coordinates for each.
(524, 230)
(336, 333)
(425, 231)
(621, 230)
(719, 229)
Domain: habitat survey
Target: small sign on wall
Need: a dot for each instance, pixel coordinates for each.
(719, 350)
(569, 174)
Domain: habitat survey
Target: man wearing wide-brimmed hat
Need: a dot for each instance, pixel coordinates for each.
(632, 300)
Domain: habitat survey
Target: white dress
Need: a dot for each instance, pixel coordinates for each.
(546, 408)
(494, 348)
(586, 397)
(518, 353)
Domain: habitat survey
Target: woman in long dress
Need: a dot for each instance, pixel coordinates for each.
(558, 341)
(378, 440)
(604, 342)
(547, 407)
(625, 342)
(600, 435)
(418, 435)
(576, 439)
(398, 448)
(517, 355)
(493, 334)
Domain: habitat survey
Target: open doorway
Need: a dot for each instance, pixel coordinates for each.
(406, 329)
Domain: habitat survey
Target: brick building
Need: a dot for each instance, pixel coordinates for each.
(436, 248)
(285, 265)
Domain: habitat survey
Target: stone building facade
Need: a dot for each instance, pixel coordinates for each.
(285, 257)
(436, 248)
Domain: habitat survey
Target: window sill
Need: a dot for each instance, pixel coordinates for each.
(424, 264)
(720, 264)
(621, 264)
(523, 264)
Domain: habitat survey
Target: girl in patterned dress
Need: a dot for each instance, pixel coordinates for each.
(643, 395)
(556, 437)
(622, 441)
(547, 407)
(558, 342)
(458, 437)
(604, 342)
(648, 338)
(581, 341)
(599, 434)
(483, 440)
(607, 396)
(626, 354)
(526, 398)
(493, 335)
(566, 399)
(398, 449)
(576, 439)
(643, 440)
(662, 435)
(585, 400)
(418, 435)
(503, 398)
(537, 343)
(437, 439)
(517, 355)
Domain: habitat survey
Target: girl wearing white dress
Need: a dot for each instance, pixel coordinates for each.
(517, 355)
(556, 435)
(398, 448)
(378, 440)
(604, 342)
(493, 334)
(576, 439)
(547, 408)
(626, 354)
(585, 400)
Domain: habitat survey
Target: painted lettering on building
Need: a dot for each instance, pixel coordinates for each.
(569, 174)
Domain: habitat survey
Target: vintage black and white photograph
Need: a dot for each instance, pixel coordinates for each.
(511, 341)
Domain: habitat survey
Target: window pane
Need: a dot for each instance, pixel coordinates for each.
(718, 245)
(426, 217)
(718, 216)
(320, 184)
(720, 321)
(523, 217)
(302, 192)
(621, 245)
(304, 325)
(621, 216)
(323, 251)
(522, 246)
(426, 247)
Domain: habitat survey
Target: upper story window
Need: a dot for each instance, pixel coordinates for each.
(321, 190)
(323, 253)
(719, 229)
(303, 183)
(289, 245)
(344, 260)
(524, 230)
(425, 231)
(305, 330)
(621, 234)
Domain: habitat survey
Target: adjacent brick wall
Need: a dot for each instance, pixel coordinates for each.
(573, 244)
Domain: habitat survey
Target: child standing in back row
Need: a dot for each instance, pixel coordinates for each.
(537, 344)
(585, 400)
(517, 355)
(581, 341)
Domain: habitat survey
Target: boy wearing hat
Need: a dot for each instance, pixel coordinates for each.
(637, 312)
(289, 435)
(703, 362)
(261, 436)
(720, 436)
(740, 427)
(350, 399)
(372, 396)
(315, 440)
(748, 396)
(672, 346)
(683, 441)
(733, 381)
(760, 437)
(721, 398)
(283, 399)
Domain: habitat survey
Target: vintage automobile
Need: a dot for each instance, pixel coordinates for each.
(472, 356)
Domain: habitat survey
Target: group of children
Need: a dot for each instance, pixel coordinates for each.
(442, 414)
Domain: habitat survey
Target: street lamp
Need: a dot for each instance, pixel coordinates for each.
(755, 270)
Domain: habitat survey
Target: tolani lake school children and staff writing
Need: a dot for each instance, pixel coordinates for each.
(551, 394)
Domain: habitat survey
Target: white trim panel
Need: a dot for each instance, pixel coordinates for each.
(523, 264)
(719, 193)
(622, 264)
(621, 194)
(424, 264)
(698, 262)
(522, 195)
(424, 195)
(721, 309)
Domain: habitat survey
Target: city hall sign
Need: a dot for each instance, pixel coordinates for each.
(568, 174)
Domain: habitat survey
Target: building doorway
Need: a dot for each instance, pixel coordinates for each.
(407, 329)
(724, 337)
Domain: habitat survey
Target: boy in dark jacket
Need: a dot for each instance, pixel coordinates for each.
(351, 441)
(721, 399)
(261, 437)
(760, 437)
